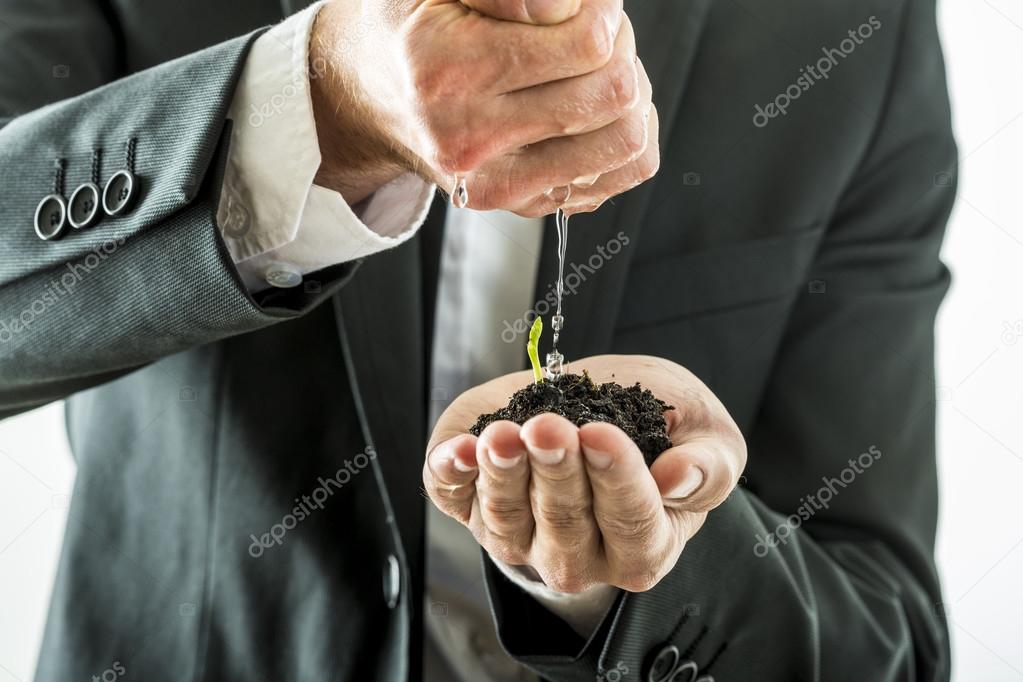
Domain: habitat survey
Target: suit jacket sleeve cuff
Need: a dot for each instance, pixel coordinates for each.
(271, 214)
(582, 611)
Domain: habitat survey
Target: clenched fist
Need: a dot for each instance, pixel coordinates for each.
(518, 96)
(579, 505)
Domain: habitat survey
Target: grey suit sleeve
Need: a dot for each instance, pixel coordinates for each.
(102, 301)
(821, 566)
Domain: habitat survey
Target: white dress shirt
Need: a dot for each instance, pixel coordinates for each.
(279, 226)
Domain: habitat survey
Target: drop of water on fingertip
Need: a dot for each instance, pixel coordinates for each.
(460, 194)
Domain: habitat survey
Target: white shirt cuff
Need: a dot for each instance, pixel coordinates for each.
(271, 214)
(582, 611)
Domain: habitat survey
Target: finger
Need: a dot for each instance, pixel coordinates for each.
(502, 492)
(576, 105)
(639, 540)
(449, 474)
(520, 56)
(543, 12)
(585, 198)
(560, 161)
(707, 439)
(566, 540)
(697, 475)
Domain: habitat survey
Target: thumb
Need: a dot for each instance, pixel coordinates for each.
(526, 11)
(698, 475)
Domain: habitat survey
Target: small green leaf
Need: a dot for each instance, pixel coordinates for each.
(533, 348)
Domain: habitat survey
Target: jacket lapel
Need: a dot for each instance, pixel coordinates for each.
(591, 312)
(381, 331)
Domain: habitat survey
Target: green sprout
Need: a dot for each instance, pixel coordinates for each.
(533, 348)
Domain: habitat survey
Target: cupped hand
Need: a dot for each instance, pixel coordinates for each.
(579, 505)
(516, 96)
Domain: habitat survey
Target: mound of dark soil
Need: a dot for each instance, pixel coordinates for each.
(634, 410)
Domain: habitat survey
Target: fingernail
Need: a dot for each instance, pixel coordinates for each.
(548, 457)
(597, 459)
(689, 485)
(462, 466)
(503, 462)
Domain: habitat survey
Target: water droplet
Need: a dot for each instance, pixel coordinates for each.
(460, 194)
(559, 195)
(555, 365)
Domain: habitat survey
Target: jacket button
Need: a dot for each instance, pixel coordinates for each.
(392, 581)
(83, 208)
(685, 672)
(663, 665)
(120, 192)
(51, 217)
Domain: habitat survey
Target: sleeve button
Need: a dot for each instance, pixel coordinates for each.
(392, 581)
(84, 206)
(663, 665)
(120, 192)
(283, 276)
(51, 217)
(686, 672)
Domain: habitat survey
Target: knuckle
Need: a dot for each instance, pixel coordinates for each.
(597, 44)
(557, 515)
(637, 530)
(650, 163)
(632, 136)
(504, 512)
(623, 86)
(459, 152)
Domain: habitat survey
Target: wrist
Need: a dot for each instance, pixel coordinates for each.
(356, 157)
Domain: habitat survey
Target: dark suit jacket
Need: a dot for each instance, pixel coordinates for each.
(793, 266)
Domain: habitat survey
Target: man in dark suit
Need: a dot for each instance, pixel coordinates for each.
(248, 402)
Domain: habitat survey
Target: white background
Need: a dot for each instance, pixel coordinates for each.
(980, 372)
